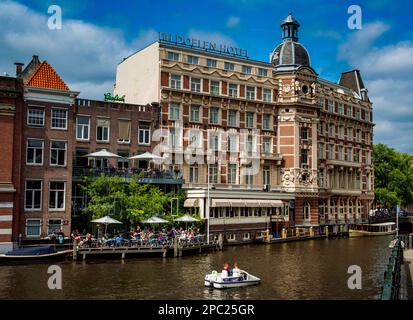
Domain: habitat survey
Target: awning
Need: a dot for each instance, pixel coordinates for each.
(191, 203)
(220, 203)
(249, 203)
(271, 204)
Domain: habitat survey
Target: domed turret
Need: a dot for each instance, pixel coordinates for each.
(290, 53)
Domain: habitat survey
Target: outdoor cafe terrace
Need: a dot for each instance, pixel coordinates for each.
(145, 176)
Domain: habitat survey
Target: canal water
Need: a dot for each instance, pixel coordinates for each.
(315, 269)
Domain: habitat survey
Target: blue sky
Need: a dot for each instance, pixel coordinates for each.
(96, 35)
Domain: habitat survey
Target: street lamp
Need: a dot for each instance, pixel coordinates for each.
(177, 204)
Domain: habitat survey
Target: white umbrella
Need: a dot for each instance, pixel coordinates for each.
(146, 156)
(186, 218)
(106, 220)
(154, 220)
(102, 154)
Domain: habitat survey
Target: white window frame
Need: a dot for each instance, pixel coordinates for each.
(28, 117)
(171, 116)
(108, 127)
(262, 72)
(266, 95)
(213, 86)
(191, 108)
(233, 92)
(211, 63)
(195, 86)
(267, 145)
(65, 160)
(306, 211)
(229, 66)
(27, 152)
(40, 228)
(236, 118)
(247, 121)
(232, 142)
(269, 127)
(246, 69)
(48, 224)
(175, 83)
(56, 190)
(232, 173)
(193, 173)
(51, 118)
(192, 59)
(218, 115)
(83, 128)
(41, 195)
(144, 130)
(250, 94)
(172, 54)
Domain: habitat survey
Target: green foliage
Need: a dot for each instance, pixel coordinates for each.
(393, 176)
(126, 201)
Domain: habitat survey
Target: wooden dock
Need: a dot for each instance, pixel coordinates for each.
(124, 252)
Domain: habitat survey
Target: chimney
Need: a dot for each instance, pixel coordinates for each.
(19, 68)
(36, 59)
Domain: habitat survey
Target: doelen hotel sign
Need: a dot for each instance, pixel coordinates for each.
(202, 45)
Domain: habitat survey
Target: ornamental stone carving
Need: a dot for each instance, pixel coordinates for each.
(287, 178)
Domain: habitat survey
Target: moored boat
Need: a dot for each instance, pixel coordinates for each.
(377, 229)
(34, 253)
(215, 280)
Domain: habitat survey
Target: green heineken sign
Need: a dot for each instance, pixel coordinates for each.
(108, 97)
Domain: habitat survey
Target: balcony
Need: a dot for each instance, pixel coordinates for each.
(149, 177)
(272, 156)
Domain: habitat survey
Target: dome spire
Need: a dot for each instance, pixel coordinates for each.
(290, 28)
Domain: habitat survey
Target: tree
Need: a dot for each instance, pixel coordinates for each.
(393, 176)
(127, 201)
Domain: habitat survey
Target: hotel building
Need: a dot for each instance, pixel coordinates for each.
(262, 145)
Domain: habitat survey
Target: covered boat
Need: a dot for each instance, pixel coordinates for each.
(377, 229)
(215, 280)
(34, 253)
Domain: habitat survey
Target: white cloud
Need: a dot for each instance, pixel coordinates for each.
(388, 74)
(232, 22)
(80, 52)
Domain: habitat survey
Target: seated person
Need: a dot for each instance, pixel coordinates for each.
(225, 271)
(236, 272)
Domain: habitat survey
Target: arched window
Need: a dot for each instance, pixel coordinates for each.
(360, 206)
(321, 209)
(306, 211)
(350, 207)
(341, 207)
(332, 207)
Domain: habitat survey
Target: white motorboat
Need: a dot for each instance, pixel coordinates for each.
(377, 229)
(215, 280)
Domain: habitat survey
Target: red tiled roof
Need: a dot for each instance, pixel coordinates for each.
(46, 77)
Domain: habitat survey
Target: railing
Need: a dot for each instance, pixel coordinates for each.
(145, 176)
(392, 275)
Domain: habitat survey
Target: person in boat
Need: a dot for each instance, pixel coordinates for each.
(60, 236)
(236, 272)
(225, 271)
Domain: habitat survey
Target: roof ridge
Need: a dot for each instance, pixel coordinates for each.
(44, 80)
